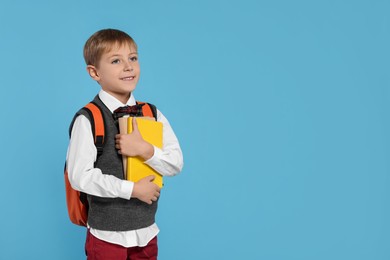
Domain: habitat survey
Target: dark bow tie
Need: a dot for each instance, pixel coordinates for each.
(135, 111)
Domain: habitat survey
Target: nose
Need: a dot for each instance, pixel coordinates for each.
(128, 66)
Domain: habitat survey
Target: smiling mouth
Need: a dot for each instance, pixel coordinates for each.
(128, 78)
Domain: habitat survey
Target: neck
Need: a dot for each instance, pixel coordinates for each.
(123, 98)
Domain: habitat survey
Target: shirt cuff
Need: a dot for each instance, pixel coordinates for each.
(157, 154)
(126, 189)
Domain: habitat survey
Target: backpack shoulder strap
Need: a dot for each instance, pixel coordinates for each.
(148, 109)
(97, 124)
(95, 117)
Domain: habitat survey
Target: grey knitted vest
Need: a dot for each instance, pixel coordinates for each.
(115, 214)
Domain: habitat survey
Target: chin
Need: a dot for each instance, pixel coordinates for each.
(131, 89)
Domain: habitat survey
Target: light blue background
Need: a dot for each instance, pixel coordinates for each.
(281, 107)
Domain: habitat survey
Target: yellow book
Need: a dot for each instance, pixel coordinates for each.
(151, 132)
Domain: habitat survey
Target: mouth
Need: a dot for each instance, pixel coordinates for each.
(129, 78)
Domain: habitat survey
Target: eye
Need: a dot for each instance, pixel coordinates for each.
(133, 58)
(116, 61)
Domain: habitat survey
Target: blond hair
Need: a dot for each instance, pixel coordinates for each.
(102, 42)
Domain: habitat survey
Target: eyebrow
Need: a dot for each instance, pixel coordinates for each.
(114, 55)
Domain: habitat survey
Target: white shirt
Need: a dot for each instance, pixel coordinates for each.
(81, 156)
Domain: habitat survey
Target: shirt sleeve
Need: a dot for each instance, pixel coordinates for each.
(168, 161)
(80, 164)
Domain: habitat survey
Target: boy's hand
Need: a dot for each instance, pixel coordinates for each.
(145, 190)
(133, 144)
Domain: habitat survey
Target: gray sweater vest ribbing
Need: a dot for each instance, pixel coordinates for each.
(115, 214)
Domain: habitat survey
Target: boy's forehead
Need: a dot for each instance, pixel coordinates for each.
(116, 47)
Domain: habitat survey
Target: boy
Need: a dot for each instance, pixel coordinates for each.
(121, 213)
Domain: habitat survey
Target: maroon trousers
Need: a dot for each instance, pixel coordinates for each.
(97, 249)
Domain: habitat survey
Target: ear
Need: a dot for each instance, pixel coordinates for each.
(93, 73)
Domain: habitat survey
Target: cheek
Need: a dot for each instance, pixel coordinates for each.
(137, 68)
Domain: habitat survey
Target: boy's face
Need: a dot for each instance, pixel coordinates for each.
(118, 71)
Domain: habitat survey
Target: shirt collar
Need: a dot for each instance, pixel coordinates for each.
(112, 103)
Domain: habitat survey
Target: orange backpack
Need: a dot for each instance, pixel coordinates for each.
(77, 201)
